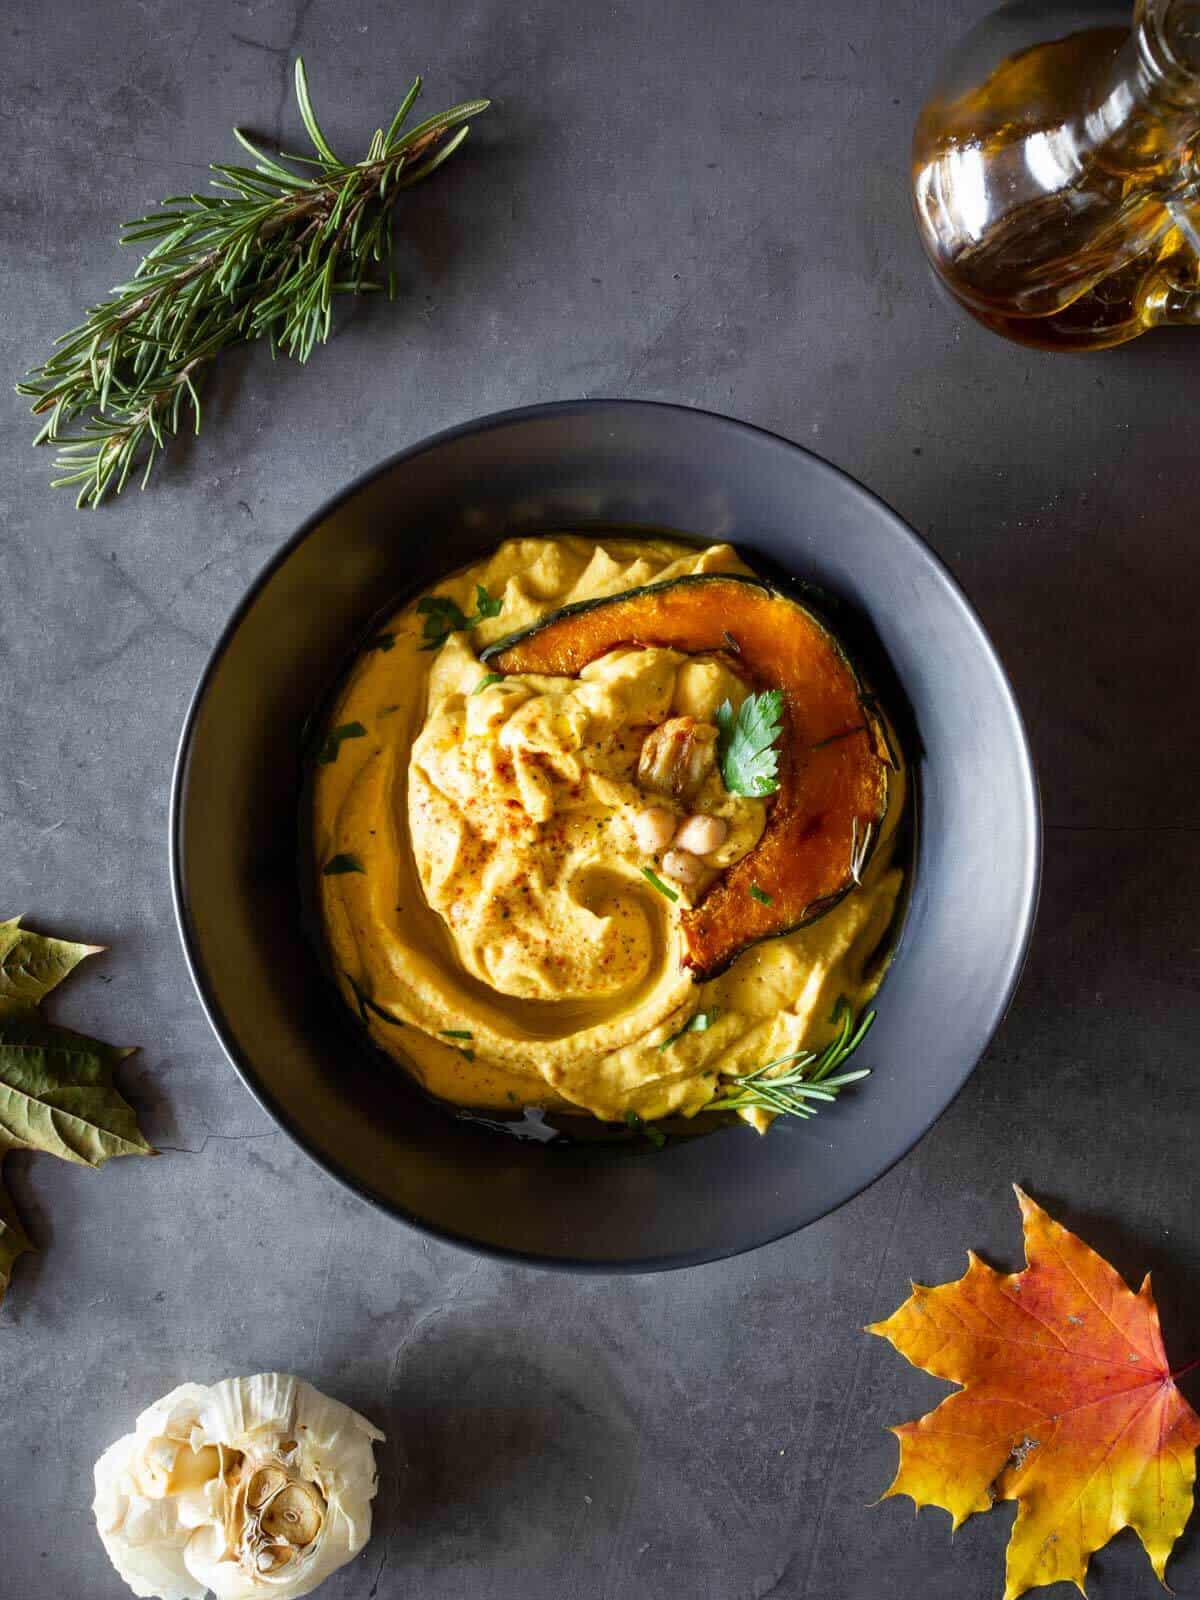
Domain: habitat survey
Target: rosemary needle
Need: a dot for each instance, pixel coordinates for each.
(264, 259)
(796, 1085)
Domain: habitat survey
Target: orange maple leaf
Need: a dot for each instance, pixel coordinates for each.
(1067, 1407)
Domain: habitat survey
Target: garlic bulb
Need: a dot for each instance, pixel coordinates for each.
(256, 1488)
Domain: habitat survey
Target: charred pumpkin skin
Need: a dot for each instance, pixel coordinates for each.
(833, 779)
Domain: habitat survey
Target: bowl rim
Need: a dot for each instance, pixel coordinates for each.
(1015, 958)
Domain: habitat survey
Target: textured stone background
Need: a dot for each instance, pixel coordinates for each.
(700, 202)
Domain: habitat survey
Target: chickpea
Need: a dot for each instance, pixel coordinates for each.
(683, 868)
(701, 835)
(654, 829)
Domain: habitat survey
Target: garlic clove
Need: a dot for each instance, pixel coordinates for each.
(295, 1514)
(266, 1483)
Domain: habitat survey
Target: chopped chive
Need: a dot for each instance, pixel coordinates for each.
(365, 1004)
(653, 878)
(732, 643)
(487, 681)
(456, 1033)
(761, 895)
(647, 1129)
(382, 641)
(347, 861)
(336, 738)
(700, 1023)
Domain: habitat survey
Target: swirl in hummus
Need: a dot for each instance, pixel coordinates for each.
(482, 848)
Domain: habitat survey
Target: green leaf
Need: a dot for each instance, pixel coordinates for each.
(56, 1087)
(336, 738)
(746, 743)
(700, 1023)
(31, 965)
(346, 861)
(653, 878)
(382, 641)
(57, 1095)
(487, 681)
(485, 605)
(444, 616)
(456, 1033)
(761, 895)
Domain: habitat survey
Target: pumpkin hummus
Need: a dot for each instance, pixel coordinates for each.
(500, 900)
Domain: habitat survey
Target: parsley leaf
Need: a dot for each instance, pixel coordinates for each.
(485, 606)
(444, 616)
(746, 743)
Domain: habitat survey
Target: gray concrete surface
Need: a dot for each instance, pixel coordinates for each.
(692, 201)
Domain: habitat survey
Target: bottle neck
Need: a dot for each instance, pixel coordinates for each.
(1147, 116)
(1167, 35)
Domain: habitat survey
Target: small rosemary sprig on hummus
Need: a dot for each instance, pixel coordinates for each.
(796, 1085)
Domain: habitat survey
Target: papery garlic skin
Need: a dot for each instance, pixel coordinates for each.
(256, 1488)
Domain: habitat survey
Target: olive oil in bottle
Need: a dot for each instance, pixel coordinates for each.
(1056, 171)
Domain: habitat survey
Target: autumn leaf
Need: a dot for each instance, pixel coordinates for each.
(56, 1087)
(1067, 1407)
(31, 965)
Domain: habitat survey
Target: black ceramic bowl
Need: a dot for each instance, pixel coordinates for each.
(599, 465)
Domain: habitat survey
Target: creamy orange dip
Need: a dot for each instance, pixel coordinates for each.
(488, 913)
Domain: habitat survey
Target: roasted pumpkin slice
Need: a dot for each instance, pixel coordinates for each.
(833, 777)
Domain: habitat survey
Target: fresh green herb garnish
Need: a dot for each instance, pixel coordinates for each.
(346, 861)
(335, 739)
(653, 878)
(746, 743)
(647, 1129)
(382, 641)
(487, 681)
(795, 1085)
(444, 616)
(700, 1023)
(761, 895)
(732, 643)
(485, 605)
(264, 260)
(456, 1033)
(365, 1003)
(467, 1055)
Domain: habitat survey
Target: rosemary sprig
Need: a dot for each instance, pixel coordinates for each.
(796, 1085)
(263, 260)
